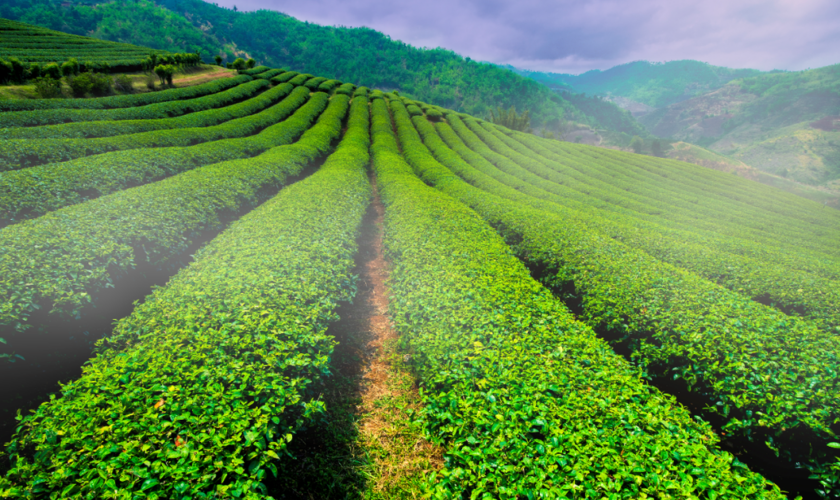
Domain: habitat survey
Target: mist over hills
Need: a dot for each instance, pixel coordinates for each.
(650, 83)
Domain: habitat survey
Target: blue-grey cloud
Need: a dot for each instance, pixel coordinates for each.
(573, 36)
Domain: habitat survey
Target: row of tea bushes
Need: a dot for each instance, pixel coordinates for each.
(38, 115)
(64, 259)
(767, 375)
(244, 119)
(199, 112)
(529, 402)
(37, 190)
(201, 389)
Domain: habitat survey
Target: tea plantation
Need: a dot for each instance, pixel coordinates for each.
(550, 295)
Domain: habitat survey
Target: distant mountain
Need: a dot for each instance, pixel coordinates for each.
(650, 84)
(360, 55)
(786, 124)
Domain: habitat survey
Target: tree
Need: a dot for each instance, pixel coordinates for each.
(5, 71)
(81, 84)
(47, 87)
(70, 67)
(251, 63)
(34, 71)
(218, 60)
(18, 70)
(160, 71)
(656, 147)
(238, 64)
(51, 70)
(511, 119)
(637, 144)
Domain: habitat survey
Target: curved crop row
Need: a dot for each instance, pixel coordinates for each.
(200, 390)
(285, 77)
(254, 71)
(210, 115)
(314, 82)
(750, 193)
(37, 190)
(16, 154)
(346, 89)
(767, 375)
(813, 296)
(785, 250)
(530, 401)
(730, 222)
(579, 197)
(269, 74)
(165, 109)
(62, 260)
(328, 85)
(300, 79)
(699, 200)
(38, 108)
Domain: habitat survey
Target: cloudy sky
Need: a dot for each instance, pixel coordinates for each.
(573, 36)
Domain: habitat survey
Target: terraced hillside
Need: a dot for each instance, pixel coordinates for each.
(33, 44)
(582, 322)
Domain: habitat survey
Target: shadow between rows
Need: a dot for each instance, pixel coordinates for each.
(791, 478)
(55, 349)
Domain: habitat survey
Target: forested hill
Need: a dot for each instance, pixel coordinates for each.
(782, 123)
(653, 84)
(360, 55)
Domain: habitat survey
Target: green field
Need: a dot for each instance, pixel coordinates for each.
(578, 322)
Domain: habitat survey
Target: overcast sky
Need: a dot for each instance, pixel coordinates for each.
(573, 36)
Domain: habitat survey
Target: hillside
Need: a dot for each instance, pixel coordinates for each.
(655, 85)
(779, 123)
(208, 237)
(31, 44)
(360, 55)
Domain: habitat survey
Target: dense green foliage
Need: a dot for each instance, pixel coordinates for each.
(361, 55)
(506, 368)
(202, 111)
(198, 391)
(629, 295)
(33, 191)
(31, 112)
(511, 119)
(106, 237)
(654, 84)
(725, 284)
(240, 120)
(32, 44)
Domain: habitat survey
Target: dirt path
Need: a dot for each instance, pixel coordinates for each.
(399, 454)
(367, 444)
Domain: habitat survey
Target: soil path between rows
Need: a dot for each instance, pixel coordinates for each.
(366, 445)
